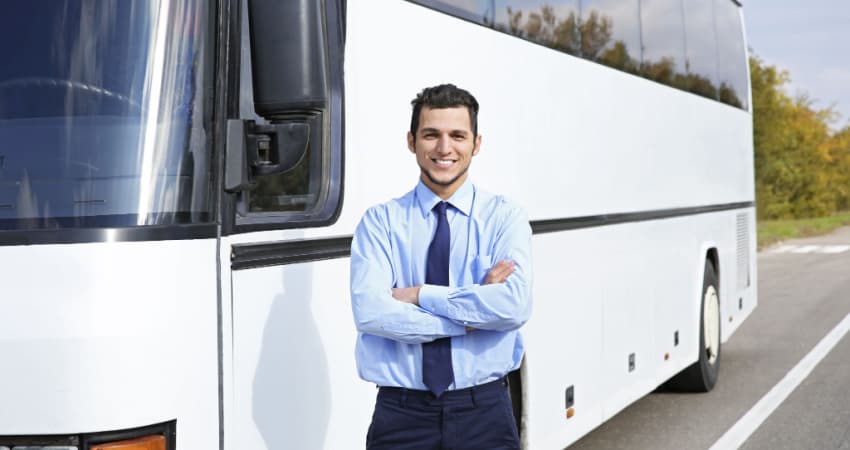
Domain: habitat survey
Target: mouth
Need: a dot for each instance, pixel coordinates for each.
(443, 163)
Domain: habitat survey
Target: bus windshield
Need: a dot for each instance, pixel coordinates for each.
(104, 113)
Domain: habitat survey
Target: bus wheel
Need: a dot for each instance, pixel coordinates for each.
(701, 376)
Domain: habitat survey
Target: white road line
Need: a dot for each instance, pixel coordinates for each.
(830, 249)
(806, 249)
(784, 248)
(835, 248)
(746, 425)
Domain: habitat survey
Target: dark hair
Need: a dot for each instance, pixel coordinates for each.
(444, 96)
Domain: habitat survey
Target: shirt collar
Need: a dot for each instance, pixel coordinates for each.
(460, 200)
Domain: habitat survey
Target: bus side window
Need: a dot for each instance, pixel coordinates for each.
(610, 31)
(553, 24)
(732, 69)
(663, 36)
(700, 48)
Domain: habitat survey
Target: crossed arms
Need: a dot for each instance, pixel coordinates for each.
(416, 314)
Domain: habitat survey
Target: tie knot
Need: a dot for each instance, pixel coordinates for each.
(441, 208)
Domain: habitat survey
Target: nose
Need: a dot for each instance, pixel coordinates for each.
(444, 144)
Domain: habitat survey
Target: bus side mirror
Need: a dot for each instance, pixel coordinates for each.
(259, 150)
(289, 60)
(290, 78)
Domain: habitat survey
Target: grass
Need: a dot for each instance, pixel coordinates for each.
(773, 231)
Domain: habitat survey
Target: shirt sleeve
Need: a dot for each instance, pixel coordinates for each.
(502, 306)
(372, 279)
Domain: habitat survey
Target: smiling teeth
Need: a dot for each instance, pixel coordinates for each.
(444, 162)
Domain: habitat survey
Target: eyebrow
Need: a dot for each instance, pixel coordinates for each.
(434, 130)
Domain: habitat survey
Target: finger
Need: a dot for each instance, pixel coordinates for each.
(497, 277)
(501, 267)
(497, 273)
(505, 268)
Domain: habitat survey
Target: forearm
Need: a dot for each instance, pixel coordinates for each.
(502, 306)
(377, 313)
(375, 310)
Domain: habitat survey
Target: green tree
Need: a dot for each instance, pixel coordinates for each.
(839, 152)
(799, 161)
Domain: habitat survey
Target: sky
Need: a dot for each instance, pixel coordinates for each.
(811, 40)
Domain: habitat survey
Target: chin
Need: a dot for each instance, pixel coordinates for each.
(442, 181)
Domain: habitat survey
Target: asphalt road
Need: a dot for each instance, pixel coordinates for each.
(804, 292)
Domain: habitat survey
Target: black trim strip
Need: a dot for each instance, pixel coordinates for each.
(575, 223)
(266, 254)
(250, 256)
(130, 234)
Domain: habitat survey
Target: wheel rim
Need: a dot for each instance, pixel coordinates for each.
(711, 324)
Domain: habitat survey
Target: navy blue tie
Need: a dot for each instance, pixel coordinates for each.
(437, 355)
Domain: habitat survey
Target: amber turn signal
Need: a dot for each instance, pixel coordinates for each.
(155, 442)
(666, 356)
(570, 413)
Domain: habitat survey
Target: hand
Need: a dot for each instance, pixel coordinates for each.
(500, 271)
(407, 295)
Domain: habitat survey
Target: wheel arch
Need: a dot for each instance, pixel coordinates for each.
(710, 253)
(713, 256)
(700, 376)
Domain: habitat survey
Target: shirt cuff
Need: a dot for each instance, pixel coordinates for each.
(435, 299)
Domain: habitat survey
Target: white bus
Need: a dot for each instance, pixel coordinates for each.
(180, 180)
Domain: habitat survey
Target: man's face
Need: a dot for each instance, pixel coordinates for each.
(444, 147)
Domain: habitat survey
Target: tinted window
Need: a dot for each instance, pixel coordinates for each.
(732, 69)
(700, 48)
(476, 10)
(553, 24)
(695, 45)
(663, 33)
(610, 33)
(104, 114)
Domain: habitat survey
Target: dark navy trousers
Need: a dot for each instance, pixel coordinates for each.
(476, 418)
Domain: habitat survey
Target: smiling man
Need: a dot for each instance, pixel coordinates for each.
(440, 285)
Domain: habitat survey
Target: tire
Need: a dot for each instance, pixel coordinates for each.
(701, 376)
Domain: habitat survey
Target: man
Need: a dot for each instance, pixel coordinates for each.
(440, 284)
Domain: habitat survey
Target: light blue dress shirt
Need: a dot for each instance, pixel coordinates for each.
(390, 249)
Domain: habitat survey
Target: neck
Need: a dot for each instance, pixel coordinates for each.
(444, 191)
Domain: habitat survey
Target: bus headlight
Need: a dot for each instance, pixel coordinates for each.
(153, 442)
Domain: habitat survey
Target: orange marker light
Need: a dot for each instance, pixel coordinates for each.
(156, 442)
(570, 413)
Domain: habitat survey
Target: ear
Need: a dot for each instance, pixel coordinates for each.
(410, 143)
(477, 145)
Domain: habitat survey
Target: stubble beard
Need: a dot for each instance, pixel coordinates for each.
(444, 183)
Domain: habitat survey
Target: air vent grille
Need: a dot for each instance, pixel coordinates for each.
(742, 238)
